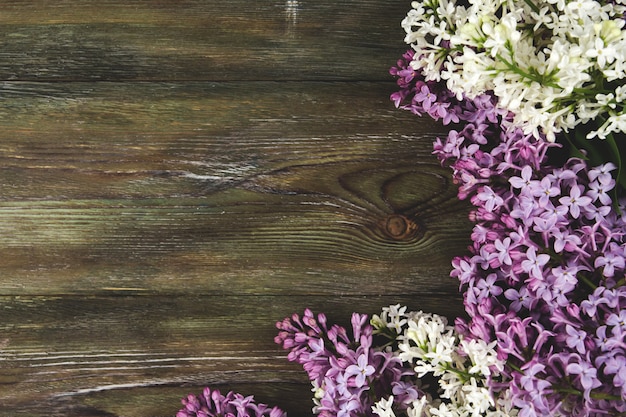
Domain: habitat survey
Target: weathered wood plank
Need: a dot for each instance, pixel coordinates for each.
(155, 225)
(137, 356)
(229, 188)
(199, 40)
(267, 246)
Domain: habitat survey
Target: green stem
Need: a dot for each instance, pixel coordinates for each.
(515, 367)
(464, 376)
(593, 394)
(587, 281)
(540, 79)
(567, 390)
(532, 6)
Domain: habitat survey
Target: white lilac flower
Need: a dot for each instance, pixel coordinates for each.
(483, 356)
(392, 317)
(446, 410)
(419, 408)
(543, 60)
(461, 367)
(477, 397)
(615, 123)
(383, 407)
(451, 387)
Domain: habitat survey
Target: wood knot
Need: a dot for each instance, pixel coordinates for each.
(399, 227)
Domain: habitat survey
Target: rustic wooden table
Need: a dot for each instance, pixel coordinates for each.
(176, 176)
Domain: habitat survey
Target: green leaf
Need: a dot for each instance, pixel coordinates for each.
(574, 149)
(617, 159)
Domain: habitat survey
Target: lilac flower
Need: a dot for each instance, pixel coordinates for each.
(425, 97)
(504, 250)
(482, 234)
(545, 191)
(616, 365)
(346, 408)
(598, 191)
(587, 374)
(609, 261)
(361, 370)
(545, 225)
(575, 339)
(602, 171)
(490, 198)
(398, 97)
(565, 276)
(534, 263)
(524, 211)
(347, 372)
(405, 392)
(532, 380)
(575, 201)
(464, 270)
(519, 299)
(618, 320)
(550, 239)
(211, 403)
(488, 287)
(565, 240)
(525, 181)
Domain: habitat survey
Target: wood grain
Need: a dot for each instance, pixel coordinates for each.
(178, 187)
(175, 176)
(112, 355)
(199, 40)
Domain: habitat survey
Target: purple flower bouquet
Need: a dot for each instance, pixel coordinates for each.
(544, 279)
(534, 94)
(545, 275)
(212, 403)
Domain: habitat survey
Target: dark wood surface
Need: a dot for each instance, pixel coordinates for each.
(176, 176)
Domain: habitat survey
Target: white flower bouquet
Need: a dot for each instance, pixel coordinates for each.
(556, 65)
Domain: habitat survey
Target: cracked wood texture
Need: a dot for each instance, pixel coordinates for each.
(176, 176)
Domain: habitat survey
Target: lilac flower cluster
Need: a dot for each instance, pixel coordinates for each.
(545, 278)
(212, 403)
(348, 374)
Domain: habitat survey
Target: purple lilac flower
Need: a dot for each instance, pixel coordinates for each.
(360, 371)
(587, 374)
(550, 238)
(211, 403)
(348, 373)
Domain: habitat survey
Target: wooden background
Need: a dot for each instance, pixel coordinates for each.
(176, 176)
